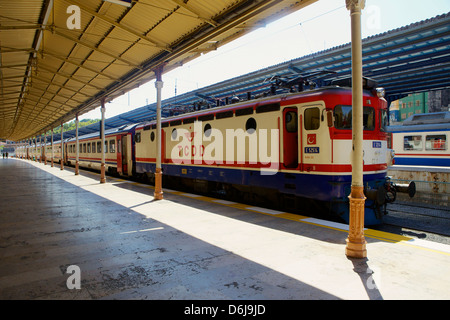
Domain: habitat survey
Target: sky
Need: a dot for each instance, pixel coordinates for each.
(322, 25)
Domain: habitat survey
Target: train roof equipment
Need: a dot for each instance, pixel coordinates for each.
(423, 122)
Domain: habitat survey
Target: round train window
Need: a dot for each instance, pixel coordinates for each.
(174, 134)
(250, 125)
(152, 136)
(207, 130)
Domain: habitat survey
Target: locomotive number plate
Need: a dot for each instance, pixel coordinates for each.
(311, 149)
(376, 144)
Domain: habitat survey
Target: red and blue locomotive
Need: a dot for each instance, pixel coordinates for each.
(290, 150)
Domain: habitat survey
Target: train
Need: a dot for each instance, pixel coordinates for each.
(422, 140)
(289, 150)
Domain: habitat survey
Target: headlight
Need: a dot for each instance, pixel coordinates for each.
(380, 92)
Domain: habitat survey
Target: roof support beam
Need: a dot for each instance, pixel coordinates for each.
(70, 77)
(54, 55)
(153, 42)
(48, 5)
(51, 83)
(92, 47)
(195, 12)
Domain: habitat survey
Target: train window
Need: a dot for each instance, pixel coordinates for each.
(268, 107)
(112, 146)
(89, 147)
(250, 125)
(175, 123)
(369, 118)
(412, 143)
(189, 120)
(312, 119)
(224, 114)
(383, 120)
(152, 136)
(174, 134)
(99, 146)
(84, 147)
(244, 111)
(206, 117)
(147, 127)
(291, 121)
(137, 138)
(207, 130)
(343, 117)
(436, 142)
(164, 124)
(106, 146)
(93, 147)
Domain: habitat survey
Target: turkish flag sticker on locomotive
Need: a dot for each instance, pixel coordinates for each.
(311, 138)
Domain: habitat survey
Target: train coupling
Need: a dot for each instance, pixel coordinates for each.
(376, 195)
(409, 188)
(393, 188)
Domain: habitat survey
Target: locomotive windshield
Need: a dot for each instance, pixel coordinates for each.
(383, 120)
(343, 118)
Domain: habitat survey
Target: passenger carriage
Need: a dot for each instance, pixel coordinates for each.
(422, 140)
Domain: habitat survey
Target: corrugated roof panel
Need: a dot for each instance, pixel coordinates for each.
(115, 48)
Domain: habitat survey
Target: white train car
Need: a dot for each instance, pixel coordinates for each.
(422, 140)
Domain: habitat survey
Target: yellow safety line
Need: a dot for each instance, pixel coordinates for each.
(370, 233)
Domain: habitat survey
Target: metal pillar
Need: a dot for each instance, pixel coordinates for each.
(356, 243)
(158, 194)
(62, 148)
(45, 149)
(102, 132)
(40, 148)
(35, 148)
(52, 147)
(77, 172)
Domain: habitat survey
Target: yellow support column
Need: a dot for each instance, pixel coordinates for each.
(102, 131)
(62, 148)
(52, 148)
(356, 243)
(77, 171)
(158, 194)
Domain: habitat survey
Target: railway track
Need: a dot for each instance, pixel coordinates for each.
(418, 220)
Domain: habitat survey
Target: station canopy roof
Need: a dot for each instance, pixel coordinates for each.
(51, 68)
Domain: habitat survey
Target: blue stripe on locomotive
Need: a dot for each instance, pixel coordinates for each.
(328, 188)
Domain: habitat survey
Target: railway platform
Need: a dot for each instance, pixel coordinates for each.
(69, 237)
